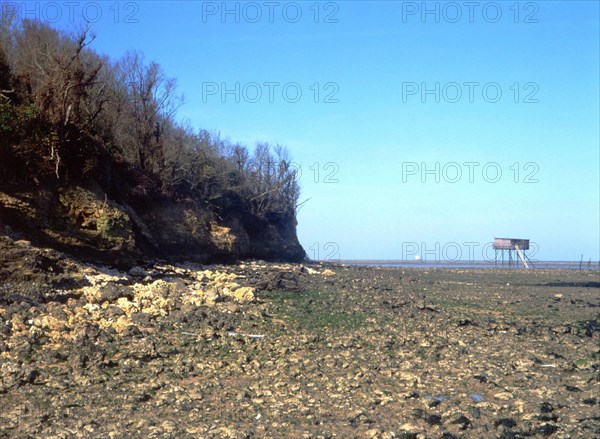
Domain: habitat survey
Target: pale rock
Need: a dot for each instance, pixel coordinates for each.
(121, 324)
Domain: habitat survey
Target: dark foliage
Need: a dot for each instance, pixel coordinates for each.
(69, 115)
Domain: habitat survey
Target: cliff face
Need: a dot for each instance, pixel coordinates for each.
(84, 221)
(93, 161)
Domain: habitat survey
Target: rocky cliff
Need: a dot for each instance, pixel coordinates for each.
(94, 162)
(84, 221)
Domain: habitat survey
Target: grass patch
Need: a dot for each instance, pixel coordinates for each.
(313, 311)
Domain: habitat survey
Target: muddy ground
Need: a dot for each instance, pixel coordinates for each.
(267, 350)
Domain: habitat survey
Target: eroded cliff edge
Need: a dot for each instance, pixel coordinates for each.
(94, 161)
(84, 221)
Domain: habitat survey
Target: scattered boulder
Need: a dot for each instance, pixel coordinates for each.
(279, 280)
(138, 272)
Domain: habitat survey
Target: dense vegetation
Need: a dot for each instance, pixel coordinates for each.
(68, 114)
(73, 118)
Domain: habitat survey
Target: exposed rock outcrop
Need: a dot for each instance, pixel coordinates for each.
(87, 222)
(101, 223)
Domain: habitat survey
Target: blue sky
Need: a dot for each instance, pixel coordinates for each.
(378, 135)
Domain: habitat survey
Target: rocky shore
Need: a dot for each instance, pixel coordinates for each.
(294, 350)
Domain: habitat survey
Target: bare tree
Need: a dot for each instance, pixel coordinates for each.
(272, 181)
(151, 101)
(58, 73)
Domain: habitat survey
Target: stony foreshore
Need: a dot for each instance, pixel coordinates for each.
(293, 350)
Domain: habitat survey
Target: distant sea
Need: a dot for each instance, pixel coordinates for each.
(550, 265)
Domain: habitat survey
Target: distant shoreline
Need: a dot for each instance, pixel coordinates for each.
(565, 265)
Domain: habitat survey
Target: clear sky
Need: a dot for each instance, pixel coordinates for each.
(433, 128)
